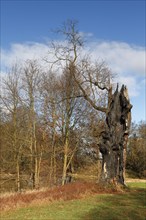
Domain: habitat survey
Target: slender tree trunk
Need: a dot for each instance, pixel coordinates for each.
(54, 164)
(16, 147)
(65, 162)
(33, 145)
(36, 173)
(31, 163)
(66, 145)
(18, 175)
(51, 169)
(53, 145)
(39, 166)
(36, 156)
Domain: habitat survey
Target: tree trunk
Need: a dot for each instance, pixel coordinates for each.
(65, 163)
(36, 173)
(18, 175)
(36, 158)
(54, 165)
(51, 170)
(114, 138)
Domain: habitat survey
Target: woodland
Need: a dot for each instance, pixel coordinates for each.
(67, 121)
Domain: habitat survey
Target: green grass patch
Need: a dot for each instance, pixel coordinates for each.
(127, 206)
(137, 185)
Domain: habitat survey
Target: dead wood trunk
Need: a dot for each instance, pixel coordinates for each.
(114, 137)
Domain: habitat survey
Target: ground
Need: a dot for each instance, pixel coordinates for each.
(77, 201)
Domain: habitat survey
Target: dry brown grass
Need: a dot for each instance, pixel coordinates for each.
(130, 180)
(70, 191)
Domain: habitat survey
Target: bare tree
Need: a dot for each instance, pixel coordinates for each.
(69, 92)
(57, 118)
(95, 83)
(11, 102)
(31, 81)
(50, 117)
(62, 111)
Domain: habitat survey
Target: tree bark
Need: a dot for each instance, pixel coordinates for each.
(65, 161)
(18, 175)
(114, 137)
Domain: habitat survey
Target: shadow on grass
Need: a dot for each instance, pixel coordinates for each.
(129, 206)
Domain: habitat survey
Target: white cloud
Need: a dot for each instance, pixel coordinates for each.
(86, 34)
(126, 60)
(22, 52)
(132, 85)
(121, 57)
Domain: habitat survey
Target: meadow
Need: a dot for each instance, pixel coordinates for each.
(79, 201)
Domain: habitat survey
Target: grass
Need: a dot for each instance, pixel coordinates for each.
(127, 206)
(137, 185)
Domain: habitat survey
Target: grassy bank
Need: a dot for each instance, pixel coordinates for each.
(129, 205)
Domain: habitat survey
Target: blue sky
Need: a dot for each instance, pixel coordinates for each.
(108, 20)
(115, 30)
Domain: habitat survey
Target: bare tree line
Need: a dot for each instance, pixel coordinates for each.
(48, 119)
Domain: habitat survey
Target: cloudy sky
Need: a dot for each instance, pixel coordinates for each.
(114, 32)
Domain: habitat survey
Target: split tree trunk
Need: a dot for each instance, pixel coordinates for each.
(115, 136)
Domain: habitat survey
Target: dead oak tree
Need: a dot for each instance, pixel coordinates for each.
(114, 137)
